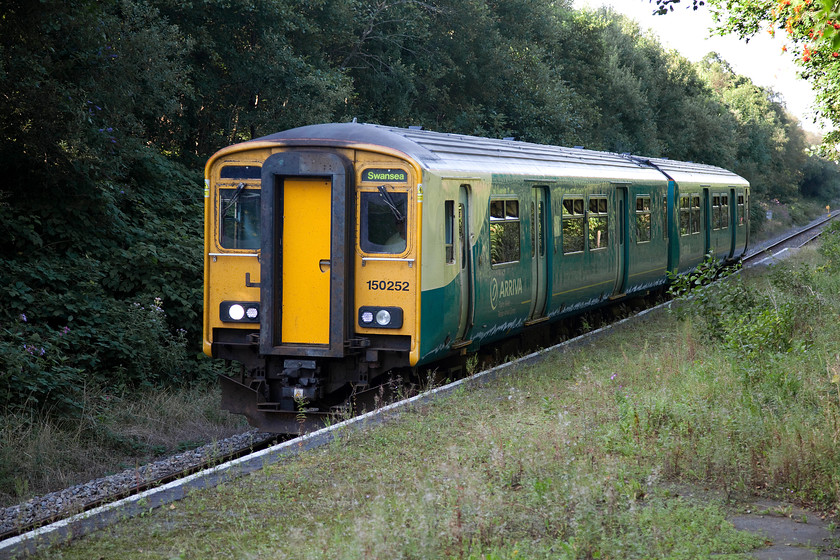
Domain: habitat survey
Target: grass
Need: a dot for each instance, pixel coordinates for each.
(42, 454)
(582, 456)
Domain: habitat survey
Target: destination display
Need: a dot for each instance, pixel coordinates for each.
(388, 175)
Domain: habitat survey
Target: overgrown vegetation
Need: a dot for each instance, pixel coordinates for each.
(594, 454)
(111, 433)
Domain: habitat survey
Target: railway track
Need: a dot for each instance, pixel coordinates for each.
(769, 251)
(34, 514)
(81, 518)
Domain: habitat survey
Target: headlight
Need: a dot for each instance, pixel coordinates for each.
(381, 317)
(239, 312)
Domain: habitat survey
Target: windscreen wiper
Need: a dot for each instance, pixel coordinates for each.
(389, 201)
(235, 198)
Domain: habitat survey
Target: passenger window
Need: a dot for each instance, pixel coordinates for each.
(685, 214)
(716, 212)
(695, 213)
(504, 231)
(573, 225)
(449, 230)
(598, 222)
(643, 225)
(724, 211)
(240, 218)
(383, 221)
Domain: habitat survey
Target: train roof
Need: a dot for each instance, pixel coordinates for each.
(438, 151)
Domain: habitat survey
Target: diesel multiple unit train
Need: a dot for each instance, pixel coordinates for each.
(336, 253)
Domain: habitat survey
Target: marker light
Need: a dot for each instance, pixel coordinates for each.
(367, 317)
(383, 318)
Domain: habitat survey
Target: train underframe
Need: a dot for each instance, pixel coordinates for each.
(293, 394)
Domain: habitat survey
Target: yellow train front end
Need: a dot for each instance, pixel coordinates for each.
(312, 278)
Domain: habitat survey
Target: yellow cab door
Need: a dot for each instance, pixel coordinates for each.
(305, 247)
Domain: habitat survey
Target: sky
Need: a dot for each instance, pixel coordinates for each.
(762, 59)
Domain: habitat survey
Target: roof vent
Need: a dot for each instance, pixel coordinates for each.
(415, 127)
(509, 138)
(578, 147)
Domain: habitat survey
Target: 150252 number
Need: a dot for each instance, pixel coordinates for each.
(388, 285)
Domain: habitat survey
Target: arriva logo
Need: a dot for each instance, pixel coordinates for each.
(507, 288)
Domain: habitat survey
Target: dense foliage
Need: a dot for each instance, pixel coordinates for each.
(812, 31)
(109, 109)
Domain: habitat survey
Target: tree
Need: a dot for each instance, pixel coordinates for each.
(812, 28)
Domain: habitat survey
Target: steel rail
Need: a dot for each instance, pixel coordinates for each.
(782, 244)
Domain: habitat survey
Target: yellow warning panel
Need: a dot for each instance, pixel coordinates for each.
(306, 261)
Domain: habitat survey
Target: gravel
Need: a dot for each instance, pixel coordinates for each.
(74, 499)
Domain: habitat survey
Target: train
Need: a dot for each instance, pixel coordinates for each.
(337, 254)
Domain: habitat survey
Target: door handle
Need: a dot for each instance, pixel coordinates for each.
(324, 265)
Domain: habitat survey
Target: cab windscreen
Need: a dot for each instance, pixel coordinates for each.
(383, 217)
(240, 218)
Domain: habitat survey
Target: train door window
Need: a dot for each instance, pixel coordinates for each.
(449, 230)
(724, 211)
(716, 218)
(685, 214)
(643, 219)
(383, 221)
(540, 225)
(665, 217)
(240, 218)
(462, 237)
(598, 222)
(504, 231)
(695, 213)
(537, 237)
(573, 224)
(741, 206)
(533, 232)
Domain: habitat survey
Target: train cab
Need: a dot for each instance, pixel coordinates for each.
(311, 272)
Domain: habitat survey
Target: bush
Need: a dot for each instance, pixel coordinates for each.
(123, 346)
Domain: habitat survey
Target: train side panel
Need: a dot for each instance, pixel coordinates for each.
(529, 234)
